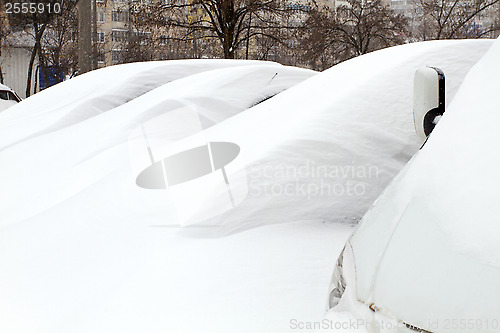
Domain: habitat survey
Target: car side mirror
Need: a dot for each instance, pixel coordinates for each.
(428, 100)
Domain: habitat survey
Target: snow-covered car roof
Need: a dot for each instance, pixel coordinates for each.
(8, 97)
(3, 87)
(90, 250)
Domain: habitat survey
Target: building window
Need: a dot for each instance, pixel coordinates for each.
(119, 16)
(100, 17)
(141, 37)
(100, 36)
(100, 56)
(119, 36)
(117, 55)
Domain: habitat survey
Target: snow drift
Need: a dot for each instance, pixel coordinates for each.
(328, 146)
(90, 251)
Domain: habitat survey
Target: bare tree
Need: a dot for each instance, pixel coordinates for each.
(35, 25)
(366, 26)
(59, 43)
(353, 29)
(139, 46)
(448, 19)
(233, 24)
(50, 31)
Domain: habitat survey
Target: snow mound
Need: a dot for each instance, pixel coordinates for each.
(327, 147)
(89, 95)
(91, 136)
(90, 251)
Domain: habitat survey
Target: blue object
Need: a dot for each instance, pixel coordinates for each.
(53, 77)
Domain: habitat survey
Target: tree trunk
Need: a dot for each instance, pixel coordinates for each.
(228, 46)
(228, 54)
(30, 70)
(41, 60)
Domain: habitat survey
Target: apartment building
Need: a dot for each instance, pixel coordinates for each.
(114, 32)
(112, 22)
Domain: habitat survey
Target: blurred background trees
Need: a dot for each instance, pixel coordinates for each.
(49, 37)
(309, 33)
(330, 36)
(451, 19)
(217, 28)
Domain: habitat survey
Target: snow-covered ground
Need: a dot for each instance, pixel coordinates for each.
(87, 250)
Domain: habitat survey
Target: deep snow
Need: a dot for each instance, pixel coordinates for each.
(438, 223)
(89, 251)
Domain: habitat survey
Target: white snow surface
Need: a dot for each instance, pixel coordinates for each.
(4, 105)
(87, 250)
(455, 176)
(4, 87)
(469, 195)
(436, 225)
(328, 146)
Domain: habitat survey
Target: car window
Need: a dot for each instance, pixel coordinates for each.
(7, 96)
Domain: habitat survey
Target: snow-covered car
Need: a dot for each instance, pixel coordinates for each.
(426, 256)
(8, 97)
(88, 249)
